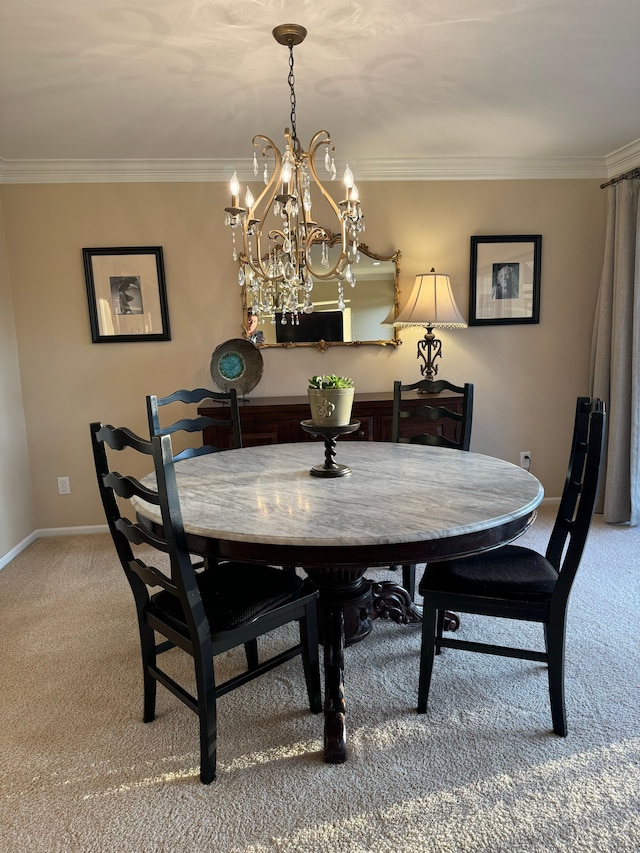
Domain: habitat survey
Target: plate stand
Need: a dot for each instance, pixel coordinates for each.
(330, 433)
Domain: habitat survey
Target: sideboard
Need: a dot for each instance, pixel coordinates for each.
(276, 420)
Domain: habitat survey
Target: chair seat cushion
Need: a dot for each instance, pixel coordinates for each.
(509, 572)
(232, 594)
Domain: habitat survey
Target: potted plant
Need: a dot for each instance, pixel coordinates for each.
(330, 400)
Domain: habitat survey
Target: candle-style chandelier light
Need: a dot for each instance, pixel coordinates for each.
(273, 235)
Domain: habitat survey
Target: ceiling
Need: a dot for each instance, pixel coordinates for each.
(409, 89)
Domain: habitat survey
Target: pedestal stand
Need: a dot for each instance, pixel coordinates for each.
(330, 434)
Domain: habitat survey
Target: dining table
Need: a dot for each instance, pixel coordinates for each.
(399, 504)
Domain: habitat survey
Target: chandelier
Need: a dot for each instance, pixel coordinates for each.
(273, 235)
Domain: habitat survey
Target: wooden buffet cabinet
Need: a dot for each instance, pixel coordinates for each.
(276, 420)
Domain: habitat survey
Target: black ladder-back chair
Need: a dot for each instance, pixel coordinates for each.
(434, 412)
(460, 421)
(197, 424)
(202, 614)
(230, 425)
(515, 582)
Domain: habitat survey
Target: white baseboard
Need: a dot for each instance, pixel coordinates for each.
(50, 531)
(6, 558)
(71, 531)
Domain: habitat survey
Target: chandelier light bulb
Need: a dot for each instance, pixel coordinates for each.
(348, 177)
(235, 189)
(287, 173)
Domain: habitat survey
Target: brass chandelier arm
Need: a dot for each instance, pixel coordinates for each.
(323, 138)
(316, 142)
(273, 180)
(255, 262)
(319, 235)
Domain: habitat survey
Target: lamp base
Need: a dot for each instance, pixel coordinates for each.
(433, 347)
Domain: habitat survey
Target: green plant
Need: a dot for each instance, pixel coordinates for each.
(330, 381)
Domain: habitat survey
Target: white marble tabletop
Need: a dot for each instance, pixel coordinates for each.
(396, 493)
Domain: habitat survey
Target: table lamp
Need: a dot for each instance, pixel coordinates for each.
(431, 304)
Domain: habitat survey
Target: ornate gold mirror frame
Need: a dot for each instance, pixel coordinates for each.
(372, 302)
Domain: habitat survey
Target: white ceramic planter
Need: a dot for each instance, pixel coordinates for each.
(331, 406)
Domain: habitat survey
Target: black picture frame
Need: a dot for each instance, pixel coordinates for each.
(505, 280)
(127, 294)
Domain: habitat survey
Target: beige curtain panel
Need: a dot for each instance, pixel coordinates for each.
(615, 360)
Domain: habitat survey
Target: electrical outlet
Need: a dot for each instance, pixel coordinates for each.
(64, 487)
(525, 459)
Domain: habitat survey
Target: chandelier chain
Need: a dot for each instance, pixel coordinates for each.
(292, 80)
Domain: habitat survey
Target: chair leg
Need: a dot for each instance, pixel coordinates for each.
(409, 580)
(207, 716)
(427, 650)
(251, 653)
(310, 656)
(439, 629)
(555, 639)
(149, 684)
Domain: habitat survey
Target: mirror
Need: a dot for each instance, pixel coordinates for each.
(373, 300)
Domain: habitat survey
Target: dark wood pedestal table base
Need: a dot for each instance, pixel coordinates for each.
(388, 600)
(344, 612)
(260, 504)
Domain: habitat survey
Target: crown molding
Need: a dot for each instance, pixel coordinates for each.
(407, 169)
(112, 171)
(624, 159)
(477, 168)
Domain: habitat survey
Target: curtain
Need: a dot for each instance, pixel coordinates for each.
(615, 354)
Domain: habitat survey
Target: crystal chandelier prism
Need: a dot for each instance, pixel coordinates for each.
(273, 235)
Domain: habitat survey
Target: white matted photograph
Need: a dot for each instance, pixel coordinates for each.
(505, 280)
(127, 294)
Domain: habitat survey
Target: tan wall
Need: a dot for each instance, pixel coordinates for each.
(526, 377)
(17, 518)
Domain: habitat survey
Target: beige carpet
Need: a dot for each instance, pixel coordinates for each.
(480, 772)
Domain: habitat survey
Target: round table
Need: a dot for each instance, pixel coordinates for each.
(401, 504)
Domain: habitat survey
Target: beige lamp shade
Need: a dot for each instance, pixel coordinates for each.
(431, 303)
(389, 320)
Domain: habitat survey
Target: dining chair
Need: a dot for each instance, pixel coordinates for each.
(516, 582)
(229, 427)
(430, 424)
(203, 614)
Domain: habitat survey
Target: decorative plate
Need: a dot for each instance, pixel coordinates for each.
(236, 364)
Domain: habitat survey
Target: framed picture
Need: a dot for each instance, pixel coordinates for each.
(505, 280)
(127, 294)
